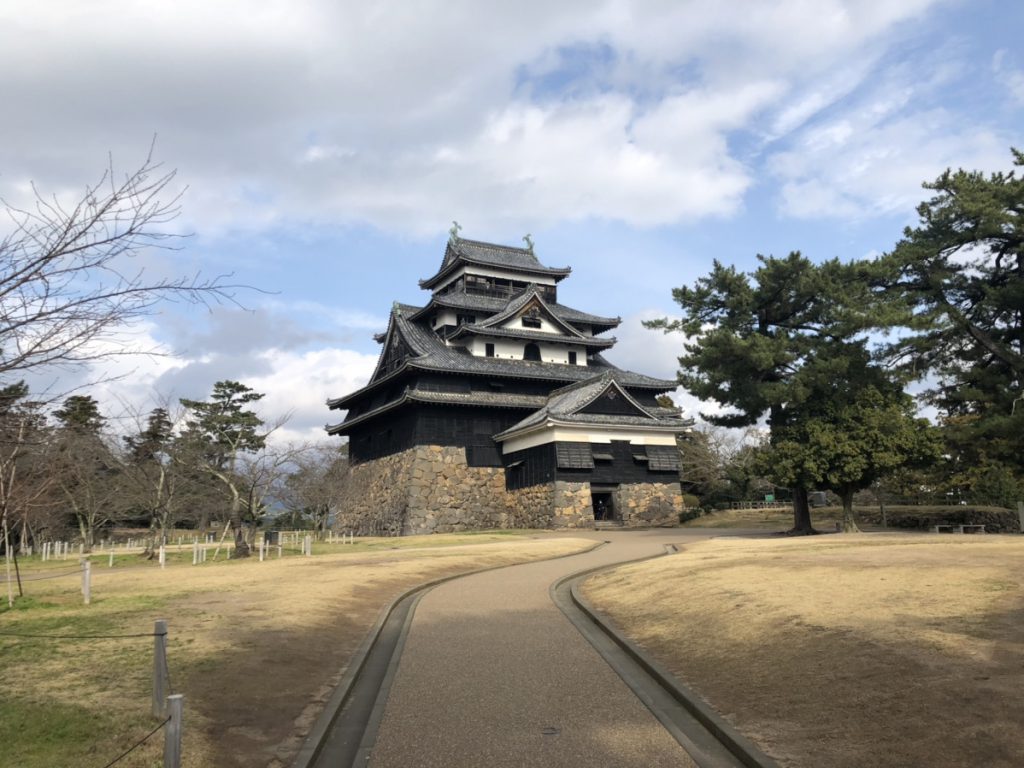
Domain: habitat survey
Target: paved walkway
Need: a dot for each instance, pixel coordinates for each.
(494, 675)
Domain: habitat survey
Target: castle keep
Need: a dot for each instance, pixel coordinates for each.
(492, 407)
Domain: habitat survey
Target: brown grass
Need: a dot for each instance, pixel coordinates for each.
(255, 647)
(865, 650)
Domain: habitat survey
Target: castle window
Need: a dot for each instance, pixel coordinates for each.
(489, 350)
(531, 319)
(465, 319)
(531, 352)
(572, 358)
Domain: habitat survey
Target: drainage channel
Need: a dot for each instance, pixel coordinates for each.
(350, 734)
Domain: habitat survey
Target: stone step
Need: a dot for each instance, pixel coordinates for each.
(603, 524)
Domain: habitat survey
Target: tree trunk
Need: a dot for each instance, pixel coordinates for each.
(241, 545)
(849, 523)
(801, 514)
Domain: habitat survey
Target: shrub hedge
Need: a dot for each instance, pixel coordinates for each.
(995, 519)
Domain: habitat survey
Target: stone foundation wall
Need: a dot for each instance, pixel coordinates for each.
(376, 496)
(431, 489)
(573, 506)
(446, 495)
(643, 504)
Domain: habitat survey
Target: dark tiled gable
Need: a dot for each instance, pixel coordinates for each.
(491, 305)
(490, 255)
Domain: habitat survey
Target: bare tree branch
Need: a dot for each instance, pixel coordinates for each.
(66, 278)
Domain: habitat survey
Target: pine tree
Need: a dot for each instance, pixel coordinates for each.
(959, 275)
(772, 344)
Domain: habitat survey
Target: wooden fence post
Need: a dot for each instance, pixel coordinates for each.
(173, 731)
(159, 667)
(1020, 514)
(86, 581)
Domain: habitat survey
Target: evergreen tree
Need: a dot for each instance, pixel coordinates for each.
(850, 438)
(87, 471)
(153, 439)
(766, 343)
(81, 414)
(959, 275)
(220, 430)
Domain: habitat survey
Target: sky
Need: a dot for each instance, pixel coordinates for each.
(325, 148)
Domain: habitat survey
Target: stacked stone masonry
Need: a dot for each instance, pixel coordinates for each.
(431, 489)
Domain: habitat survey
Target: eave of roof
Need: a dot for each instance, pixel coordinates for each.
(471, 399)
(564, 406)
(476, 252)
(475, 329)
(494, 304)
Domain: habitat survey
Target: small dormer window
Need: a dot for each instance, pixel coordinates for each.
(465, 319)
(531, 319)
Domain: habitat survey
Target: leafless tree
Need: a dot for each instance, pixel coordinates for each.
(91, 480)
(25, 483)
(263, 479)
(316, 487)
(67, 279)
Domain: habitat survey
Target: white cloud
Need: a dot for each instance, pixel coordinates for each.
(863, 165)
(405, 115)
(296, 382)
(1011, 77)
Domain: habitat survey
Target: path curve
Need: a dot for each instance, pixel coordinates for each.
(493, 674)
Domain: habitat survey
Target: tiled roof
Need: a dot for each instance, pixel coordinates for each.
(485, 399)
(595, 342)
(494, 304)
(523, 299)
(492, 255)
(564, 405)
(431, 354)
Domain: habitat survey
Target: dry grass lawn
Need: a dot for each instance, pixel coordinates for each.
(255, 647)
(863, 650)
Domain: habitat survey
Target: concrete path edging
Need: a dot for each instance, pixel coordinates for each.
(739, 745)
(311, 746)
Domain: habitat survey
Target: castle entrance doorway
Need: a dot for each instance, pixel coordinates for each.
(603, 503)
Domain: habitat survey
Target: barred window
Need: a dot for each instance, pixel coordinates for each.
(574, 456)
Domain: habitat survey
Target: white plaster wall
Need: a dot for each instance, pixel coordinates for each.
(587, 435)
(545, 325)
(445, 317)
(513, 350)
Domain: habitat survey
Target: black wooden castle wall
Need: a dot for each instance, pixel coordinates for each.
(614, 463)
(422, 424)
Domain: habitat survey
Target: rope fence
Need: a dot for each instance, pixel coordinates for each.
(166, 704)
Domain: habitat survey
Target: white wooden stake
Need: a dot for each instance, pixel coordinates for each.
(163, 556)
(173, 731)
(111, 564)
(86, 581)
(160, 668)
